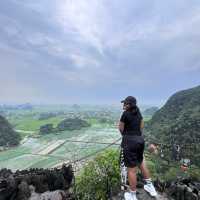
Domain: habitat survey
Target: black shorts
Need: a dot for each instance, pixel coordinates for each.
(133, 149)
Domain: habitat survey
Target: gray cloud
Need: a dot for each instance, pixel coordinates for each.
(97, 51)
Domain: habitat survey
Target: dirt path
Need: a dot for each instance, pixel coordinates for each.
(51, 147)
(24, 131)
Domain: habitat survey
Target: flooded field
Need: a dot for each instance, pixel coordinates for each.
(54, 149)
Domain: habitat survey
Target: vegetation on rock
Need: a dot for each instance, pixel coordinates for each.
(72, 124)
(150, 111)
(47, 128)
(100, 178)
(66, 124)
(178, 122)
(8, 137)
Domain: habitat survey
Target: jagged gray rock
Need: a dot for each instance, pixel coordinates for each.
(23, 191)
(54, 195)
(39, 184)
(143, 195)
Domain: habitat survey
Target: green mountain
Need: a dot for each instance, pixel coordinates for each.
(72, 124)
(8, 137)
(178, 121)
(150, 111)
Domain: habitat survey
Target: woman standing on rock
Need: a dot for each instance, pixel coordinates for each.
(131, 125)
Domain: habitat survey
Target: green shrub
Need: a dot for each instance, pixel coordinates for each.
(194, 173)
(100, 177)
(152, 168)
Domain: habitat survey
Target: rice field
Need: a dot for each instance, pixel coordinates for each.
(53, 149)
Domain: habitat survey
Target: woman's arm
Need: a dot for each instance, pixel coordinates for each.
(141, 124)
(122, 122)
(121, 127)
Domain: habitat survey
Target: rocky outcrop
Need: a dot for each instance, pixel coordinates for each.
(47, 128)
(72, 124)
(143, 195)
(36, 184)
(179, 189)
(185, 189)
(66, 124)
(55, 195)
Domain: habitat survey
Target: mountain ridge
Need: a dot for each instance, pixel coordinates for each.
(178, 121)
(8, 137)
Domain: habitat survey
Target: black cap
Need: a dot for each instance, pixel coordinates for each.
(130, 99)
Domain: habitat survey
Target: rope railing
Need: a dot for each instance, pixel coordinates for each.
(78, 161)
(108, 145)
(96, 152)
(66, 160)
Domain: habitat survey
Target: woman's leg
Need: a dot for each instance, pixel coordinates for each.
(132, 178)
(149, 187)
(144, 170)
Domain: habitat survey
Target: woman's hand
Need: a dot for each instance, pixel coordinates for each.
(152, 148)
(141, 124)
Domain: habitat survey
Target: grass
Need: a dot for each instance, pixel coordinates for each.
(34, 125)
(45, 163)
(12, 153)
(146, 119)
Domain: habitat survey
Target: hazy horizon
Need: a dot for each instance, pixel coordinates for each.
(79, 104)
(97, 52)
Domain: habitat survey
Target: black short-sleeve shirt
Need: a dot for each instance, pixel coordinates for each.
(132, 123)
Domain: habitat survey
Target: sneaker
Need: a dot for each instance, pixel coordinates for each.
(149, 187)
(130, 196)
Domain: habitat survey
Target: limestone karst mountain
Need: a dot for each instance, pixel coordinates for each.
(178, 121)
(8, 137)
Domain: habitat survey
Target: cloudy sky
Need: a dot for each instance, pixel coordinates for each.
(99, 51)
